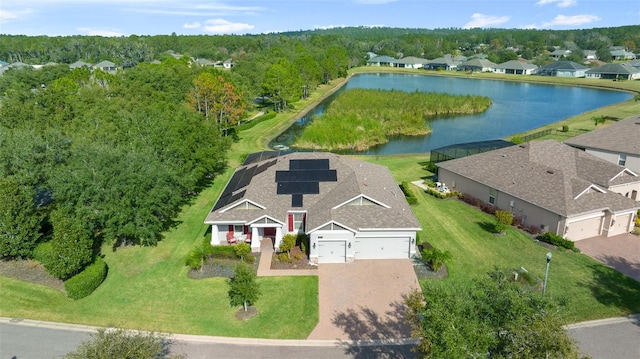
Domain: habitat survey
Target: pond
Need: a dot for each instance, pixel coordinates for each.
(517, 107)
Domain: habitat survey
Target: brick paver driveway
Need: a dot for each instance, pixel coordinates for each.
(622, 252)
(363, 300)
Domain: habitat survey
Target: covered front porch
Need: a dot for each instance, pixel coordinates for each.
(253, 234)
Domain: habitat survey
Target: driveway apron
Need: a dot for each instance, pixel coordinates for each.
(363, 300)
(621, 253)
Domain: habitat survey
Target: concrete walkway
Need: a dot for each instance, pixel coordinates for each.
(264, 267)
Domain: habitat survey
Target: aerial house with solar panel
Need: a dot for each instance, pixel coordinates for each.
(350, 209)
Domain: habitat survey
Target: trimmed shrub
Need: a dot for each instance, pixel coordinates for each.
(284, 257)
(488, 208)
(565, 128)
(558, 241)
(85, 282)
(302, 241)
(517, 140)
(242, 249)
(408, 193)
(434, 193)
(533, 229)
(436, 258)
(288, 242)
(223, 252)
(517, 221)
(503, 220)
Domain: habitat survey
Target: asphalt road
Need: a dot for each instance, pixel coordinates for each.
(616, 338)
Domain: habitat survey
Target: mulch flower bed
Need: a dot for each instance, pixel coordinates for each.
(299, 260)
(30, 271)
(220, 267)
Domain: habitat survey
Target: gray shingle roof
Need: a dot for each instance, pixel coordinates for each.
(516, 65)
(563, 65)
(548, 174)
(621, 137)
(355, 178)
(483, 63)
(614, 69)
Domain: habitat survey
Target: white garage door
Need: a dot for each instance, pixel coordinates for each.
(584, 229)
(382, 248)
(332, 252)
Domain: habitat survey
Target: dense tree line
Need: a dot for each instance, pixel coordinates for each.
(92, 158)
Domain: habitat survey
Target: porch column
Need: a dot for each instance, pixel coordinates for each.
(215, 240)
(255, 239)
(278, 237)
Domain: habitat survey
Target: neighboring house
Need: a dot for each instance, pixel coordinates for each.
(562, 69)
(14, 65)
(560, 53)
(589, 55)
(550, 185)
(515, 67)
(477, 65)
(228, 63)
(80, 65)
(634, 63)
(614, 71)
(381, 61)
(349, 209)
(441, 63)
(618, 143)
(410, 62)
(622, 55)
(204, 62)
(106, 66)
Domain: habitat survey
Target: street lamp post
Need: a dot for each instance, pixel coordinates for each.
(546, 274)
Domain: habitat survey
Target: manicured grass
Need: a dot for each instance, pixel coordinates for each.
(594, 291)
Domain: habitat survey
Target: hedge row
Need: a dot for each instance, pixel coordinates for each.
(247, 125)
(491, 209)
(558, 241)
(85, 282)
(406, 189)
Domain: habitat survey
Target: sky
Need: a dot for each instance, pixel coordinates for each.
(200, 17)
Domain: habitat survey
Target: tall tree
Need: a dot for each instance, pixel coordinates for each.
(494, 317)
(218, 98)
(20, 221)
(283, 84)
(243, 289)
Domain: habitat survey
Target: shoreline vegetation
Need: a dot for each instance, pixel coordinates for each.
(359, 119)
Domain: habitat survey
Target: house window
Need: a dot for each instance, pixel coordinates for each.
(238, 228)
(622, 159)
(296, 222)
(492, 195)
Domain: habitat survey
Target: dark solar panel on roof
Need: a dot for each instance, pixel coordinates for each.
(315, 164)
(306, 176)
(296, 200)
(298, 188)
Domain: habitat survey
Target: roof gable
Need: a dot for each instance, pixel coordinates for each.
(621, 137)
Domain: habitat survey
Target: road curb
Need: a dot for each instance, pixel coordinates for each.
(222, 340)
(595, 323)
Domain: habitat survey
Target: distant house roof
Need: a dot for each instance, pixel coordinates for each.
(624, 54)
(105, 64)
(411, 60)
(615, 69)
(550, 175)
(204, 62)
(79, 64)
(444, 60)
(516, 65)
(621, 137)
(480, 63)
(382, 59)
(560, 53)
(156, 62)
(563, 65)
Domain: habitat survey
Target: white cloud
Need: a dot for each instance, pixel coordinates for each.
(222, 26)
(483, 21)
(562, 20)
(193, 25)
(100, 32)
(560, 3)
(13, 15)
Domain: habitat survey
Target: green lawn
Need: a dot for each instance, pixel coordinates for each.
(147, 287)
(594, 290)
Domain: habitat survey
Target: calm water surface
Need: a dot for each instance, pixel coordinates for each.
(517, 107)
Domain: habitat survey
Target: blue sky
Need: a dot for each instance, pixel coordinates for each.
(195, 17)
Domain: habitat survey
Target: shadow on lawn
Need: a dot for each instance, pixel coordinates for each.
(487, 226)
(613, 288)
(366, 324)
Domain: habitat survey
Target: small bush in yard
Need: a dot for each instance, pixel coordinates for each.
(558, 241)
(288, 242)
(242, 249)
(436, 258)
(533, 229)
(503, 220)
(85, 282)
(284, 257)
